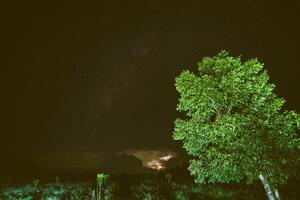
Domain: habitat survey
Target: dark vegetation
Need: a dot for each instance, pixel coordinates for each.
(175, 183)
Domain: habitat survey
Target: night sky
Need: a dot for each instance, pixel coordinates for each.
(99, 75)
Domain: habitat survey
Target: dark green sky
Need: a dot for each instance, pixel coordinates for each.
(100, 75)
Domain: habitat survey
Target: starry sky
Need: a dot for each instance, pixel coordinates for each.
(99, 75)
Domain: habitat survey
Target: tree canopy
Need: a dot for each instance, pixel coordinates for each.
(235, 126)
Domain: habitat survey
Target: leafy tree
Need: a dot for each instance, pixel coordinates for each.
(235, 126)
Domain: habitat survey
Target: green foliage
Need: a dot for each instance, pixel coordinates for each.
(24, 192)
(235, 127)
(157, 187)
(103, 190)
(146, 190)
(78, 192)
(180, 195)
(50, 191)
(101, 179)
(168, 178)
(35, 182)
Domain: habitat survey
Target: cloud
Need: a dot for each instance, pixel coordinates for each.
(152, 158)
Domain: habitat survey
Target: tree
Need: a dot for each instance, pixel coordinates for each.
(235, 127)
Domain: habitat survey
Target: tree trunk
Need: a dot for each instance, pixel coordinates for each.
(267, 187)
(277, 194)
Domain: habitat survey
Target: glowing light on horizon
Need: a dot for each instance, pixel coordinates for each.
(155, 164)
(159, 164)
(154, 159)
